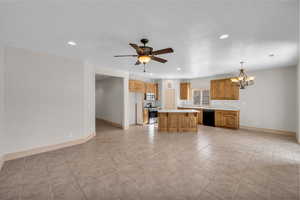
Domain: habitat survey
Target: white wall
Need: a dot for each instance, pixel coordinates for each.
(109, 99)
(45, 100)
(89, 98)
(298, 100)
(298, 80)
(2, 139)
(270, 103)
(175, 84)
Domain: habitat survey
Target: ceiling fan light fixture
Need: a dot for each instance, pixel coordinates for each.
(144, 59)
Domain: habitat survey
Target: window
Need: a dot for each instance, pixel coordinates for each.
(201, 96)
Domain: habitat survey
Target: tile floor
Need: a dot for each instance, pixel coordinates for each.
(142, 164)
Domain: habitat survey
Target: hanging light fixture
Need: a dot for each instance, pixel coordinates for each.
(243, 80)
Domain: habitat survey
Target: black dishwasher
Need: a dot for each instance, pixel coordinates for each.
(208, 117)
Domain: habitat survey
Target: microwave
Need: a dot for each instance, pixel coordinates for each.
(150, 96)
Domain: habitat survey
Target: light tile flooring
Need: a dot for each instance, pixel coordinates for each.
(142, 164)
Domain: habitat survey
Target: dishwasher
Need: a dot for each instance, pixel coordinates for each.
(208, 117)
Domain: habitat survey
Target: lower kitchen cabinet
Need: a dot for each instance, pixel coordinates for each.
(227, 119)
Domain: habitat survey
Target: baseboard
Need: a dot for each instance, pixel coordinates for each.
(1, 162)
(110, 123)
(266, 130)
(21, 154)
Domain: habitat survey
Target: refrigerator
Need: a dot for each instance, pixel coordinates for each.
(136, 106)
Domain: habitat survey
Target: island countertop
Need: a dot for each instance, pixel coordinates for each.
(210, 107)
(177, 111)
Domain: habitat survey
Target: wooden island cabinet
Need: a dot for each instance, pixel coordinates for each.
(177, 121)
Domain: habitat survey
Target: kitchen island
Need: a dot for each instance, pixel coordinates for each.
(178, 120)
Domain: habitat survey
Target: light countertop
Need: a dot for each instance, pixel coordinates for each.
(177, 111)
(210, 107)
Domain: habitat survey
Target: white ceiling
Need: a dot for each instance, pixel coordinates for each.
(192, 27)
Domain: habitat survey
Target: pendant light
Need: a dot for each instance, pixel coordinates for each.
(243, 80)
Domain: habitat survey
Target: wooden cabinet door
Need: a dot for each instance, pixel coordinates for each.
(223, 89)
(163, 122)
(193, 121)
(183, 122)
(229, 121)
(147, 88)
(131, 85)
(213, 89)
(231, 91)
(157, 97)
(173, 122)
(184, 91)
(200, 116)
(153, 88)
(187, 122)
(218, 118)
(217, 89)
(136, 86)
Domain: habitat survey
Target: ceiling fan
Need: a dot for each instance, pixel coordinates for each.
(146, 53)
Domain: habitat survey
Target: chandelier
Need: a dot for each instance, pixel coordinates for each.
(243, 80)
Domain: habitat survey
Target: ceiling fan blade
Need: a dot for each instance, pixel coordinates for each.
(137, 62)
(159, 59)
(137, 48)
(126, 56)
(163, 51)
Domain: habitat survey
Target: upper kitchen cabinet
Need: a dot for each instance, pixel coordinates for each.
(185, 91)
(136, 86)
(150, 87)
(223, 89)
(157, 91)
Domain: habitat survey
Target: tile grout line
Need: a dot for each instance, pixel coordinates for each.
(21, 186)
(50, 184)
(75, 179)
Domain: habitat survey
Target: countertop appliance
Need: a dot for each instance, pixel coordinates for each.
(208, 117)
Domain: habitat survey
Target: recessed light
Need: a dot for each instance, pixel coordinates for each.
(178, 68)
(271, 55)
(224, 36)
(72, 43)
(151, 74)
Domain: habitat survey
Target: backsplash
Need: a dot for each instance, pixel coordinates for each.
(226, 103)
(216, 103)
